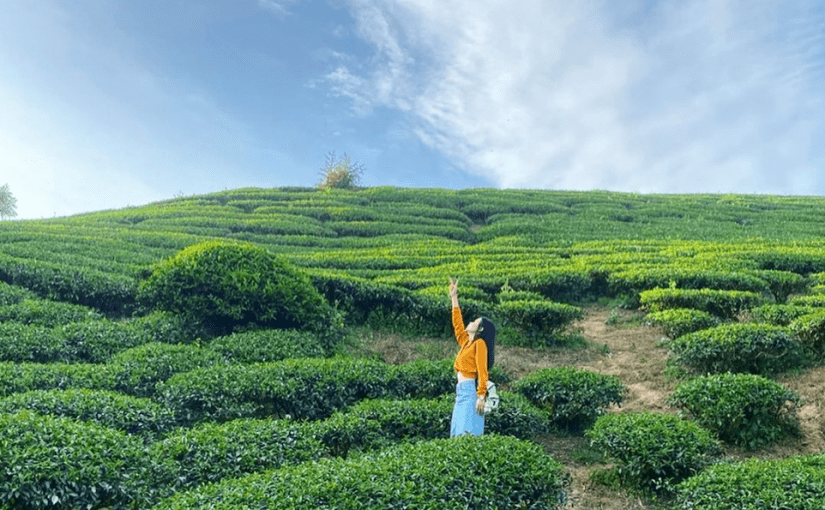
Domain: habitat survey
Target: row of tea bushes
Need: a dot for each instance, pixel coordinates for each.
(213, 451)
(482, 472)
(92, 340)
(80, 426)
(298, 388)
(133, 415)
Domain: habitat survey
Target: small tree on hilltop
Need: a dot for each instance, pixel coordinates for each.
(8, 204)
(340, 173)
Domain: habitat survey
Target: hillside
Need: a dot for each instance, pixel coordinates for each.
(383, 257)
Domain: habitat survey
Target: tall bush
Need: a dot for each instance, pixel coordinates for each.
(222, 285)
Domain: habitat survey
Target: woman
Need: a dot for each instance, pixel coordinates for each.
(471, 365)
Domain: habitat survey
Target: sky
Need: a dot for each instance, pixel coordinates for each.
(107, 104)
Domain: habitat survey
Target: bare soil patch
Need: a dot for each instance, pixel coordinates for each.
(621, 345)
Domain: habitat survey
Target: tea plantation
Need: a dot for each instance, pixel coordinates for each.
(197, 352)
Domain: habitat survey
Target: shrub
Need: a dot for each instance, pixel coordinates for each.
(140, 369)
(538, 323)
(680, 321)
(297, 388)
(56, 462)
(574, 397)
(268, 345)
(794, 483)
(41, 312)
(224, 285)
(341, 173)
(740, 348)
(810, 330)
(517, 295)
(12, 294)
(493, 472)
(211, 452)
(782, 283)
(135, 416)
(374, 424)
(653, 451)
(384, 306)
(741, 409)
(725, 304)
(22, 377)
(635, 281)
(309, 388)
(111, 294)
(95, 341)
(24, 343)
(779, 315)
(817, 300)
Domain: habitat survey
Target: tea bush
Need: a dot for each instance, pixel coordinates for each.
(794, 483)
(41, 312)
(817, 300)
(746, 410)
(384, 306)
(140, 369)
(23, 377)
(298, 388)
(538, 323)
(638, 280)
(373, 424)
(810, 329)
(725, 304)
(782, 283)
(95, 341)
(748, 348)
(13, 294)
(494, 472)
(59, 463)
(211, 452)
(654, 451)
(268, 345)
(25, 343)
(112, 294)
(574, 398)
(135, 416)
(223, 285)
(779, 315)
(680, 321)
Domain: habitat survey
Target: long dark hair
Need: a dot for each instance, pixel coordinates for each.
(488, 334)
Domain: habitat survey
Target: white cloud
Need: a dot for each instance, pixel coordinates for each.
(278, 7)
(702, 95)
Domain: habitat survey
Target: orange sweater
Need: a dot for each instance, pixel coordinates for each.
(472, 356)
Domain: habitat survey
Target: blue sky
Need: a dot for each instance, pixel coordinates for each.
(106, 104)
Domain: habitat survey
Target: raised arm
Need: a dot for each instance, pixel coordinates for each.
(461, 335)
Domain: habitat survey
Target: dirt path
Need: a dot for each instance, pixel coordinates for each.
(638, 358)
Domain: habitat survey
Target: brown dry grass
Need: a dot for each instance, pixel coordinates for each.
(634, 352)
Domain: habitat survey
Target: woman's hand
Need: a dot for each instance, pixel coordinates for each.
(480, 402)
(454, 291)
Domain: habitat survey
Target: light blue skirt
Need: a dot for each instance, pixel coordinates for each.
(465, 418)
